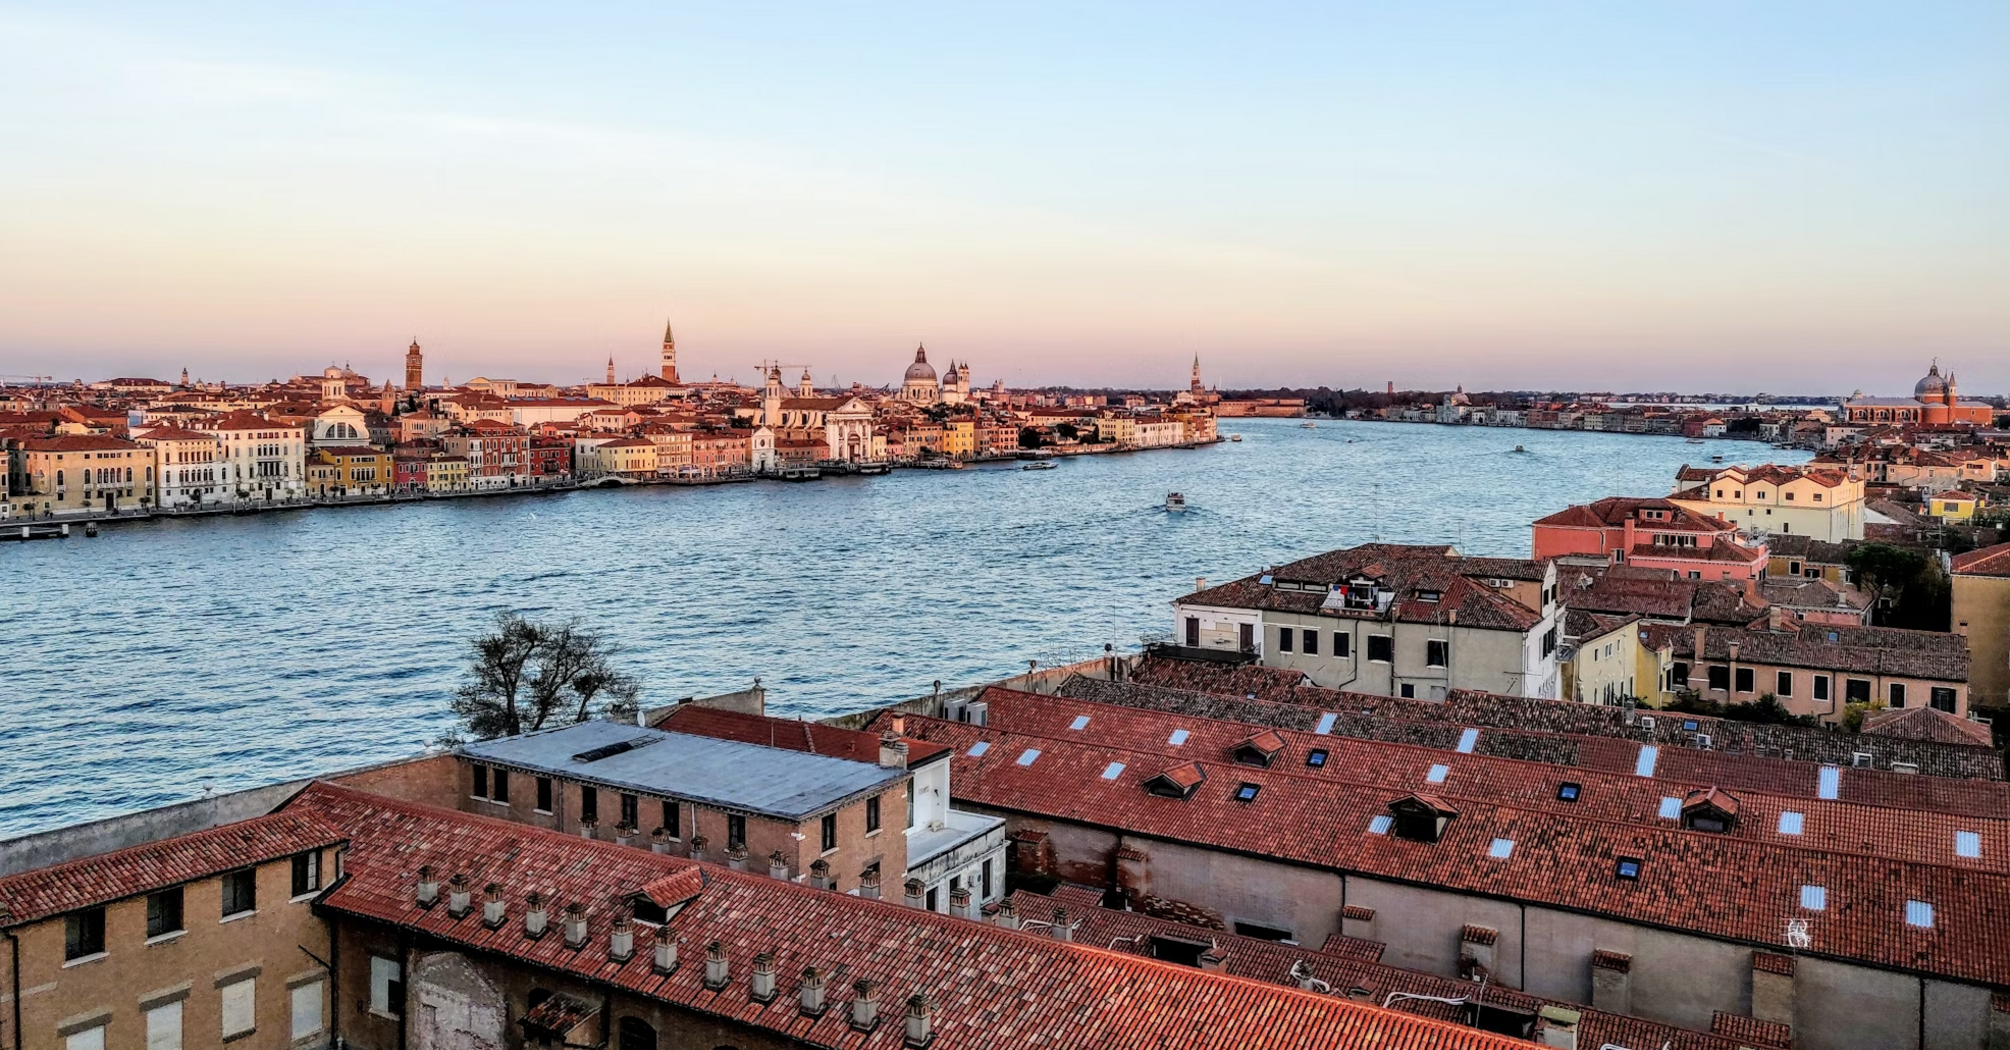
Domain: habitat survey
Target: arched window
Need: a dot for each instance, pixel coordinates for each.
(637, 1034)
(59, 477)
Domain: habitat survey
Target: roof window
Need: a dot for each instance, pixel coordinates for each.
(1467, 739)
(1643, 766)
(1316, 758)
(1029, 756)
(977, 749)
(1111, 771)
(1081, 722)
(1814, 898)
(1437, 774)
(1568, 791)
(1259, 750)
(1380, 824)
(1247, 792)
(1830, 784)
(1501, 849)
(1671, 808)
(1178, 782)
(1178, 737)
(1421, 818)
(1710, 810)
(1919, 913)
(1790, 823)
(1967, 844)
(1325, 726)
(1627, 868)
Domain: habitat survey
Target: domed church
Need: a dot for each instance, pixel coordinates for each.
(1934, 402)
(920, 386)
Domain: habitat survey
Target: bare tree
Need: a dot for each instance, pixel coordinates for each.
(530, 674)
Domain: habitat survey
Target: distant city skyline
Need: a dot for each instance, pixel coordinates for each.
(1795, 198)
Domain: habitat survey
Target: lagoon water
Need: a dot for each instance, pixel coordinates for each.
(165, 659)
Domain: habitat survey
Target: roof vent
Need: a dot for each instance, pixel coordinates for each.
(595, 754)
(1178, 782)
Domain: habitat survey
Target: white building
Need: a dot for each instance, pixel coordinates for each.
(190, 466)
(265, 460)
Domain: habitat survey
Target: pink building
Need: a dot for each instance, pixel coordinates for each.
(1650, 534)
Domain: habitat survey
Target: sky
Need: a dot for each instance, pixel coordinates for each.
(1723, 196)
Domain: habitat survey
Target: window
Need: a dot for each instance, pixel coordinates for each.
(92, 1038)
(164, 912)
(1193, 632)
(1113, 771)
(481, 781)
(872, 814)
(1247, 792)
(387, 987)
(977, 749)
(1784, 684)
(1267, 933)
(84, 934)
(1678, 674)
(1501, 849)
(1898, 694)
(1342, 644)
(1437, 774)
(164, 1027)
(1437, 653)
(240, 892)
(1942, 699)
(830, 832)
(1379, 825)
(1178, 951)
(1628, 868)
(1744, 679)
(1720, 678)
(1178, 737)
(1919, 913)
(1381, 648)
(1316, 758)
(499, 790)
(1080, 723)
(932, 898)
(1821, 687)
(544, 794)
(1568, 792)
(637, 1034)
(240, 1008)
(1671, 808)
(1029, 756)
(1856, 690)
(736, 832)
(1791, 822)
(910, 807)
(306, 873)
(1967, 844)
(1407, 690)
(1310, 640)
(986, 876)
(1814, 898)
(589, 803)
(306, 1009)
(630, 810)
(1284, 639)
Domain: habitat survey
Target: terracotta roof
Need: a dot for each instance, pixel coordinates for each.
(78, 443)
(35, 895)
(1614, 512)
(1988, 561)
(992, 988)
(1925, 723)
(168, 433)
(1833, 647)
(794, 734)
(1427, 584)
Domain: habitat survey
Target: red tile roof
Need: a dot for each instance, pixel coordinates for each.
(992, 988)
(1614, 511)
(35, 895)
(795, 734)
(1925, 723)
(1988, 561)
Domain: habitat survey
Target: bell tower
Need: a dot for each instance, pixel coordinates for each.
(669, 354)
(610, 370)
(415, 368)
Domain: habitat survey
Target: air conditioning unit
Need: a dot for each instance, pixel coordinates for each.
(1905, 767)
(1860, 759)
(979, 713)
(1646, 721)
(1703, 741)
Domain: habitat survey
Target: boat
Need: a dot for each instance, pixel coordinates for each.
(1520, 449)
(1041, 465)
(1175, 501)
(1308, 425)
(1716, 459)
(1695, 441)
(1235, 437)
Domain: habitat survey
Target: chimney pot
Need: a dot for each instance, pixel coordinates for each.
(1212, 960)
(460, 899)
(868, 884)
(892, 751)
(587, 826)
(621, 939)
(778, 865)
(534, 915)
(959, 902)
(716, 971)
(429, 887)
(492, 906)
(1200, 583)
(763, 986)
(665, 962)
(659, 841)
(1060, 930)
(864, 1006)
(736, 857)
(918, 1031)
(820, 874)
(1008, 917)
(812, 992)
(899, 723)
(575, 925)
(914, 893)
(698, 844)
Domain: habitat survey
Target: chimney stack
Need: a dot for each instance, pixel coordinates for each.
(763, 987)
(460, 899)
(1556, 1026)
(913, 891)
(429, 887)
(778, 865)
(587, 826)
(717, 973)
(918, 1032)
(892, 750)
(1008, 917)
(899, 724)
(621, 939)
(1702, 639)
(659, 841)
(812, 992)
(698, 844)
(1060, 930)
(868, 884)
(959, 902)
(864, 1006)
(1212, 960)
(820, 874)
(492, 906)
(534, 915)
(575, 925)
(665, 962)
(736, 857)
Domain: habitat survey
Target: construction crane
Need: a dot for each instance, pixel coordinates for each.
(37, 380)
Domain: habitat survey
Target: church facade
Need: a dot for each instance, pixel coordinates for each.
(1934, 402)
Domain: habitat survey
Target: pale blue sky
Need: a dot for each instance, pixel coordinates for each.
(1686, 195)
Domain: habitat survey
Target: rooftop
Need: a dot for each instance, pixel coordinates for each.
(776, 782)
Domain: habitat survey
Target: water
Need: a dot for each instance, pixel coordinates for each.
(163, 659)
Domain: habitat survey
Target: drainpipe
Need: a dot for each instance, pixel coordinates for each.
(14, 971)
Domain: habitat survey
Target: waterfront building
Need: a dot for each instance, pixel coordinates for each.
(494, 451)
(1811, 501)
(267, 459)
(342, 424)
(1818, 669)
(633, 458)
(1390, 619)
(847, 426)
(350, 470)
(1935, 401)
(919, 386)
(720, 451)
(1650, 534)
(79, 473)
(190, 466)
(1981, 615)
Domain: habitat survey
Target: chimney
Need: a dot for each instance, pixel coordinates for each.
(1611, 981)
(587, 826)
(1199, 583)
(1776, 618)
(913, 893)
(1752, 589)
(717, 974)
(665, 962)
(624, 834)
(892, 750)
(1008, 917)
(778, 865)
(659, 841)
(575, 925)
(762, 989)
(959, 902)
(460, 899)
(698, 844)
(1733, 652)
(492, 906)
(868, 884)
(736, 857)
(918, 1033)
(534, 915)
(1213, 960)
(429, 887)
(1702, 636)
(812, 992)
(621, 939)
(864, 1006)
(1060, 931)
(820, 874)
(1556, 1026)
(899, 724)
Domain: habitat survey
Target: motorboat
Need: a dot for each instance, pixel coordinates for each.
(1175, 501)
(1235, 437)
(1308, 425)
(1520, 449)
(1694, 441)
(1039, 465)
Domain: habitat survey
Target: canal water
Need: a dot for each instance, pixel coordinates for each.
(162, 660)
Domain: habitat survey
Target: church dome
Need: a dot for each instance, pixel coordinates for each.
(921, 369)
(1932, 384)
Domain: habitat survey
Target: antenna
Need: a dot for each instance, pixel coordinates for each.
(1798, 935)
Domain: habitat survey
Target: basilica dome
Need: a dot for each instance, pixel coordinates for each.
(1931, 385)
(921, 369)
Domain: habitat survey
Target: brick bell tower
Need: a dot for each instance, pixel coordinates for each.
(669, 354)
(415, 368)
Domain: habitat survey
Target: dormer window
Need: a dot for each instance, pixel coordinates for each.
(1259, 750)
(1421, 818)
(1710, 810)
(1178, 782)
(1429, 596)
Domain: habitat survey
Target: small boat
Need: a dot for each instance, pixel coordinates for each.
(1716, 459)
(1175, 501)
(1235, 437)
(1308, 425)
(1695, 441)
(1520, 449)
(1041, 465)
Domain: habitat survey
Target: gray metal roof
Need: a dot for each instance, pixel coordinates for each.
(773, 781)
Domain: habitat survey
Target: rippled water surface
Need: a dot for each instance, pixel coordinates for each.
(165, 658)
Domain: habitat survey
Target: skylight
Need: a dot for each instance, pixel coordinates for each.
(1831, 783)
(1919, 913)
(1628, 868)
(1110, 771)
(977, 749)
(1790, 823)
(1671, 808)
(1316, 758)
(1027, 757)
(1568, 792)
(1967, 844)
(1081, 722)
(1247, 792)
(1325, 727)
(1178, 737)
(1437, 774)
(1501, 849)
(1380, 825)
(1644, 765)
(1814, 898)
(1467, 739)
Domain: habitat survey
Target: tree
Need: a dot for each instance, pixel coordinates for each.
(528, 674)
(1909, 587)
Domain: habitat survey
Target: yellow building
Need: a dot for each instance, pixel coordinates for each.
(79, 473)
(1611, 662)
(1808, 501)
(1981, 585)
(621, 457)
(446, 473)
(349, 470)
(959, 438)
(1956, 506)
(1117, 429)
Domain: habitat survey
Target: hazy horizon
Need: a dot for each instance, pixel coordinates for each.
(1795, 197)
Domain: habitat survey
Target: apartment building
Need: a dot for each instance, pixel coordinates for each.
(1823, 503)
(190, 466)
(1819, 669)
(1981, 586)
(266, 460)
(1649, 534)
(79, 473)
